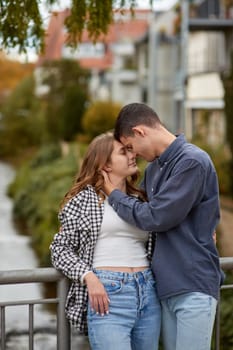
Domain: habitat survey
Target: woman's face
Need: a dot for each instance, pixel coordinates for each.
(123, 161)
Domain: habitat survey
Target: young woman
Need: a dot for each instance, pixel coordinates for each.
(113, 292)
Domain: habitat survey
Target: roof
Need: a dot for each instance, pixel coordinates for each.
(124, 28)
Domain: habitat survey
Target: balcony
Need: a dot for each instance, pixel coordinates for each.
(211, 24)
(210, 15)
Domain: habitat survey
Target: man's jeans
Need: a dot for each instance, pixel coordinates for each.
(134, 315)
(187, 321)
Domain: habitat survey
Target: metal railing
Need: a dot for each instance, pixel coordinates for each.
(227, 265)
(41, 275)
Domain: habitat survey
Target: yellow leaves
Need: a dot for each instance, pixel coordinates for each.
(11, 72)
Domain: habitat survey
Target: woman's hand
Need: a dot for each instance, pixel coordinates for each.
(98, 296)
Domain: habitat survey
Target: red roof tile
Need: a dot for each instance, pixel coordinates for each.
(125, 27)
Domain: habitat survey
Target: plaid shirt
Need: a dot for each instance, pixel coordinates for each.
(72, 249)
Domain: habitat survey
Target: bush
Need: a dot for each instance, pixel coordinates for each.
(228, 99)
(221, 159)
(46, 154)
(38, 190)
(226, 306)
(100, 117)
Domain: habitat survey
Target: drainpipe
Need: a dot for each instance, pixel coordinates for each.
(152, 64)
(184, 57)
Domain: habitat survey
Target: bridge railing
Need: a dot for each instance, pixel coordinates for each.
(39, 275)
(227, 265)
(63, 333)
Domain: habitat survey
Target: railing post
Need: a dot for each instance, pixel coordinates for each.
(31, 326)
(63, 327)
(3, 325)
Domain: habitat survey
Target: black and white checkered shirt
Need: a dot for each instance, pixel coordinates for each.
(72, 249)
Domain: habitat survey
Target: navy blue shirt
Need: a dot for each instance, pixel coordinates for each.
(183, 209)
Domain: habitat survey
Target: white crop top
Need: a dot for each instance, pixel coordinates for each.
(119, 243)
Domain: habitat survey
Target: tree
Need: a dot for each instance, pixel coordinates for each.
(75, 100)
(20, 124)
(21, 22)
(228, 99)
(66, 99)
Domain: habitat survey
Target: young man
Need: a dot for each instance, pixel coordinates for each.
(183, 209)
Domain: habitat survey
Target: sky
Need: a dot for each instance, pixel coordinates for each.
(157, 4)
(31, 56)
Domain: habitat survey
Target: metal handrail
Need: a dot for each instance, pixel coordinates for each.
(227, 265)
(40, 275)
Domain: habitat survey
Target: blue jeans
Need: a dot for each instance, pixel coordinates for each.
(187, 321)
(134, 315)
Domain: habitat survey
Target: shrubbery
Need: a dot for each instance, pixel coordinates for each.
(221, 159)
(228, 99)
(226, 305)
(100, 117)
(37, 191)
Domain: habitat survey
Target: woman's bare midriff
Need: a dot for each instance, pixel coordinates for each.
(122, 268)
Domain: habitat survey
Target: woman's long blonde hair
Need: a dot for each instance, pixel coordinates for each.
(97, 156)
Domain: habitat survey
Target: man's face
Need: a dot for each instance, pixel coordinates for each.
(140, 145)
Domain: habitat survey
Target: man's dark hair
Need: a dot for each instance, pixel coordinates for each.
(132, 115)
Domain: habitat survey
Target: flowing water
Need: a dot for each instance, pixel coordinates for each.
(16, 253)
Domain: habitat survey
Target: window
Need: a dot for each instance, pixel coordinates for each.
(84, 50)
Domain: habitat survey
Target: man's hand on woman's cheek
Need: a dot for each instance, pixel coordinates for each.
(108, 186)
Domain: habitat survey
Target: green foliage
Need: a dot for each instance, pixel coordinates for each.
(228, 99)
(29, 121)
(100, 117)
(72, 111)
(21, 21)
(95, 16)
(21, 24)
(221, 160)
(45, 155)
(37, 191)
(21, 121)
(67, 97)
(226, 305)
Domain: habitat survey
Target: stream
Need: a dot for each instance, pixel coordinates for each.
(16, 253)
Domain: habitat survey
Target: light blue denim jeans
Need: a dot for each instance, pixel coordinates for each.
(187, 321)
(134, 318)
